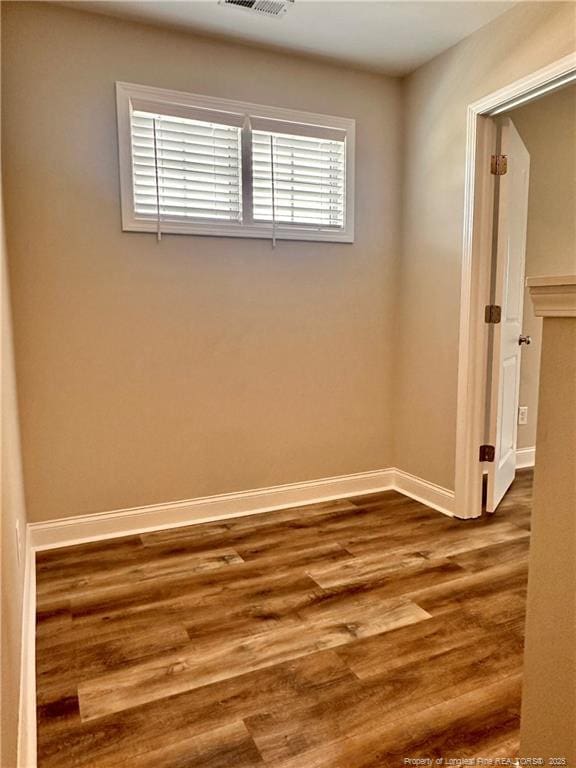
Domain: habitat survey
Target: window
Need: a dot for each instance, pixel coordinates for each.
(197, 165)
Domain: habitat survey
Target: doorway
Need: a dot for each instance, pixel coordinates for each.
(475, 374)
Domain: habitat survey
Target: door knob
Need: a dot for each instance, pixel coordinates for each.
(524, 340)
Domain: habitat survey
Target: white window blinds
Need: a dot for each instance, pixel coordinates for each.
(185, 169)
(194, 164)
(309, 177)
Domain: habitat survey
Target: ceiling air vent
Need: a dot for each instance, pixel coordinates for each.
(262, 7)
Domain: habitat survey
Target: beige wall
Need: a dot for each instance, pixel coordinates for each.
(201, 365)
(528, 36)
(12, 512)
(548, 128)
(549, 690)
(204, 365)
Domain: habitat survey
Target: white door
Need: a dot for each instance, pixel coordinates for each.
(512, 216)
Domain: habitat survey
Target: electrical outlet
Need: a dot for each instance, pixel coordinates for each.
(18, 541)
(523, 414)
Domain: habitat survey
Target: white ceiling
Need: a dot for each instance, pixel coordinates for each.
(392, 37)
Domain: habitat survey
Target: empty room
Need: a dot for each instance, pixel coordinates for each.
(288, 383)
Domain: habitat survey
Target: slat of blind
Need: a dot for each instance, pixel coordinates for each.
(312, 221)
(301, 158)
(201, 146)
(175, 214)
(183, 155)
(182, 207)
(192, 171)
(179, 210)
(288, 176)
(307, 193)
(142, 121)
(291, 140)
(297, 167)
(309, 180)
(318, 194)
(173, 199)
(185, 170)
(148, 184)
(295, 189)
(305, 210)
(303, 205)
(204, 181)
(218, 137)
(297, 162)
(300, 182)
(187, 155)
(300, 151)
(187, 177)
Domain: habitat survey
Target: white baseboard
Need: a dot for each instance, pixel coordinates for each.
(27, 703)
(427, 493)
(525, 457)
(124, 522)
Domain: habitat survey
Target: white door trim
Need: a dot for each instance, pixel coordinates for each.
(476, 265)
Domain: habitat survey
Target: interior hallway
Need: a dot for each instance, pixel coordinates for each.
(351, 636)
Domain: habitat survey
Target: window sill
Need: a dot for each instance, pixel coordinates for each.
(255, 231)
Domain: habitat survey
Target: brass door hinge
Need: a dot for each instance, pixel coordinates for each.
(487, 453)
(492, 313)
(498, 165)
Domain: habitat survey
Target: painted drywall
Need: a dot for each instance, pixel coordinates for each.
(548, 129)
(155, 372)
(529, 36)
(12, 513)
(548, 727)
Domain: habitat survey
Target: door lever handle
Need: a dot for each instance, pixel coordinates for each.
(524, 340)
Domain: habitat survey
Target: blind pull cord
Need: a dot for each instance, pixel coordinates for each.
(158, 227)
(273, 192)
(246, 172)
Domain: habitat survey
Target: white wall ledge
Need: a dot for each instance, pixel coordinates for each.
(553, 295)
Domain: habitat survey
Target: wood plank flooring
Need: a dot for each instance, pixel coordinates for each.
(352, 634)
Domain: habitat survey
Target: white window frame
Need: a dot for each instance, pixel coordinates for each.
(130, 96)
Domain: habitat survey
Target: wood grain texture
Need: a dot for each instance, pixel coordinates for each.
(349, 634)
